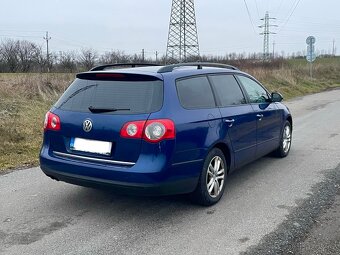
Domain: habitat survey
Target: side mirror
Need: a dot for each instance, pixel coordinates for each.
(276, 97)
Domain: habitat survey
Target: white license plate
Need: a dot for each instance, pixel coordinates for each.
(92, 146)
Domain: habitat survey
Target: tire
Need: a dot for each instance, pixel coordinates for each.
(285, 141)
(211, 184)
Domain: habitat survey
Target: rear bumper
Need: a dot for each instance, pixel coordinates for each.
(150, 177)
(156, 189)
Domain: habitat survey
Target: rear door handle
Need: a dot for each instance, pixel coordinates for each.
(230, 122)
(259, 116)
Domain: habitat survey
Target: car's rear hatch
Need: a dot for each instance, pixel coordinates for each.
(93, 111)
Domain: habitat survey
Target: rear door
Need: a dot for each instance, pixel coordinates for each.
(107, 102)
(197, 120)
(238, 117)
(267, 114)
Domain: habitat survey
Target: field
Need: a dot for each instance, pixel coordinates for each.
(25, 98)
(292, 79)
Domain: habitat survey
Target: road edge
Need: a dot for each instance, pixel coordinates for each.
(301, 219)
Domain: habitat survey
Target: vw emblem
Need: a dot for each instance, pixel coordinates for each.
(87, 125)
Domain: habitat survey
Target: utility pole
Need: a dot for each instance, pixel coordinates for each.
(156, 56)
(266, 26)
(333, 52)
(143, 55)
(274, 50)
(47, 38)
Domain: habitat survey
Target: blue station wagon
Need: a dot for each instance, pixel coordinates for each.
(162, 130)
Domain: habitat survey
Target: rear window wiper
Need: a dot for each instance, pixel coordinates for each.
(104, 110)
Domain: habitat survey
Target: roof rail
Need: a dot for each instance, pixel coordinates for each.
(103, 67)
(200, 65)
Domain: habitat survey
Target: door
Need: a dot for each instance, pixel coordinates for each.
(238, 117)
(267, 114)
(197, 119)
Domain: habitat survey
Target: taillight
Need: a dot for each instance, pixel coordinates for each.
(152, 131)
(157, 130)
(133, 129)
(52, 122)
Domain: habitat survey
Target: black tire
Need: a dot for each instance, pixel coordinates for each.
(201, 195)
(282, 151)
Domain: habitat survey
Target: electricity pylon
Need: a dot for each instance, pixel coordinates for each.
(183, 38)
(266, 33)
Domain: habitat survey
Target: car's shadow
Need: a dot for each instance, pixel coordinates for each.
(79, 201)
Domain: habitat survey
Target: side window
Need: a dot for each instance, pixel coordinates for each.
(227, 90)
(195, 93)
(256, 93)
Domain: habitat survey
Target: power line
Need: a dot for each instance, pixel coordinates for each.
(291, 14)
(257, 9)
(279, 7)
(251, 20)
(23, 36)
(25, 31)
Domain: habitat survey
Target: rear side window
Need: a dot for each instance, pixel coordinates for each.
(134, 97)
(195, 93)
(227, 90)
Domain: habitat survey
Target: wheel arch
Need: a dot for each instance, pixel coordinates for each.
(290, 119)
(226, 152)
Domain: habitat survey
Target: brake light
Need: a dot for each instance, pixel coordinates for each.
(110, 75)
(152, 131)
(158, 130)
(52, 122)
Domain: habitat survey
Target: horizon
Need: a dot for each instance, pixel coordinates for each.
(132, 26)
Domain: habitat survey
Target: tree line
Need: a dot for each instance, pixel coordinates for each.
(25, 56)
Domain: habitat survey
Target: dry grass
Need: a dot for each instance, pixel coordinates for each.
(293, 79)
(25, 98)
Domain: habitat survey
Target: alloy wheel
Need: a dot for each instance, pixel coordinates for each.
(215, 176)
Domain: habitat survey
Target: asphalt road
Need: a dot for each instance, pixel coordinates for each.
(42, 216)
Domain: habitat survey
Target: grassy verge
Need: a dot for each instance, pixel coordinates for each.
(293, 79)
(25, 98)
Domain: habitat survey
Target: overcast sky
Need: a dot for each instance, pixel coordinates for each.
(130, 25)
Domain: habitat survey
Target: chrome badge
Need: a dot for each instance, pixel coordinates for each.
(87, 125)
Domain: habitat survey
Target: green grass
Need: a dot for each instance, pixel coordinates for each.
(25, 98)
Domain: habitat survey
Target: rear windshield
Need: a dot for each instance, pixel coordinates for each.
(133, 97)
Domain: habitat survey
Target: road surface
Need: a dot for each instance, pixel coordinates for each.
(265, 206)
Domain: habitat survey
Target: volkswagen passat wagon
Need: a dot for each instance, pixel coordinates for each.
(162, 130)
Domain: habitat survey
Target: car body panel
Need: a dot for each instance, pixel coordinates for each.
(268, 127)
(242, 132)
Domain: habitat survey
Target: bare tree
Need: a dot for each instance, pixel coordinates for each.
(9, 55)
(67, 61)
(87, 58)
(28, 55)
(114, 57)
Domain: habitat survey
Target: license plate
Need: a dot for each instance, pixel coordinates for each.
(92, 146)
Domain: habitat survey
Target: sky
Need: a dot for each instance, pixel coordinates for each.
(224, 26)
